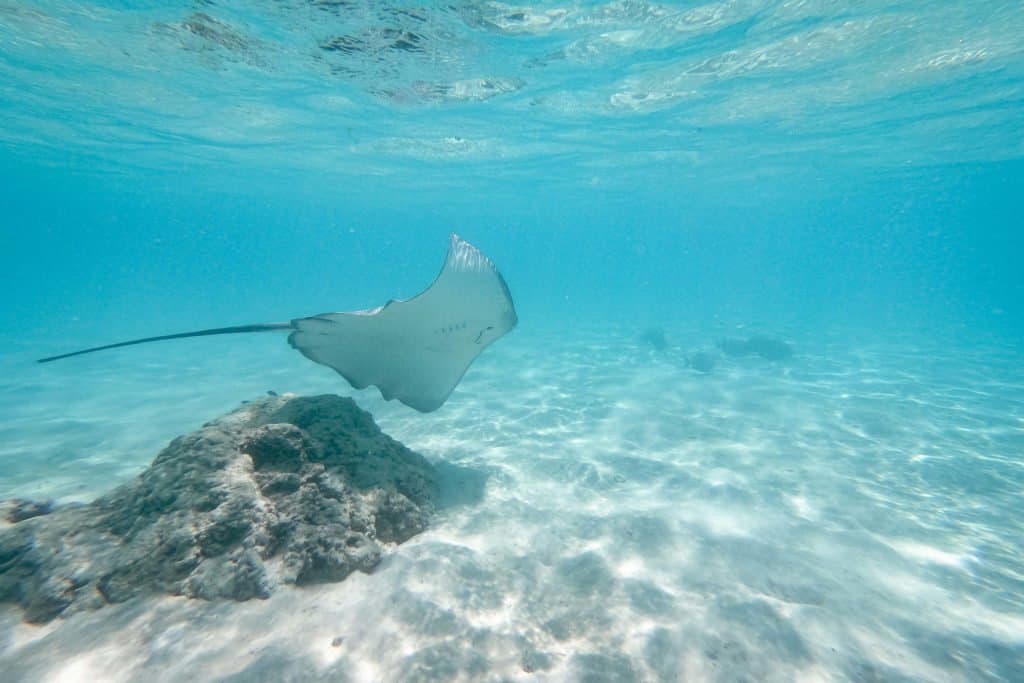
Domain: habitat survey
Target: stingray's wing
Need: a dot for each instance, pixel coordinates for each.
(416, 350)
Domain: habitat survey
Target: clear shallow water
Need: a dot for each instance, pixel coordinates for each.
(847, 178)
(611, 513)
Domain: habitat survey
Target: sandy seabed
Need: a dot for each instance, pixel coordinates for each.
(608, 514)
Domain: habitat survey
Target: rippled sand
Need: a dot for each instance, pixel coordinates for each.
(608, 514)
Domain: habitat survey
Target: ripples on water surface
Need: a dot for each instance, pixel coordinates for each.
(598, 90)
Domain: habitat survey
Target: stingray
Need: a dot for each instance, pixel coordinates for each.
(414, 350)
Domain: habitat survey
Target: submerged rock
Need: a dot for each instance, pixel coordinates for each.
(283, 490)
(760, 345)
(655, 338)
(770, 348)
(19, 509)
(701, 361)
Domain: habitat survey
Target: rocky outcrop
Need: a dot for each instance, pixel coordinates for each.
(283, 490)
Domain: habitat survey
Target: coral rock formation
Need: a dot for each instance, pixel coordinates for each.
(284, 490)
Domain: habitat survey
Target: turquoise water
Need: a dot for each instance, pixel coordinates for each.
(846, 177)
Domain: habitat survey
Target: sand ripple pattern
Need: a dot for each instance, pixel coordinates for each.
(608, 514)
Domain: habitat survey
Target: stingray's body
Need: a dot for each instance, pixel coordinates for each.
(414, 350)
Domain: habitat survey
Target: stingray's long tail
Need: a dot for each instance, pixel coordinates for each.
(260, 327)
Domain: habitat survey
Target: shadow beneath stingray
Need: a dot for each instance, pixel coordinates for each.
(459, 485)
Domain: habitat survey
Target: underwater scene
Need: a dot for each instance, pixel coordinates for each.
(596, 340)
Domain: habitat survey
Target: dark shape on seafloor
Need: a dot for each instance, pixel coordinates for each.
(701, 361)
(19, 509)
(767, 347)
(655, 338)
(414, 350)
(283, 490)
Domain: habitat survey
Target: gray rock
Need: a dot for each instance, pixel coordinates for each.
(767, 347)
(701, 361)
(770, 348)
(655, 338)
(19, 509)
(283, 490)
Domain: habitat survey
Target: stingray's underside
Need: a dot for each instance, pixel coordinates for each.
(414, 350)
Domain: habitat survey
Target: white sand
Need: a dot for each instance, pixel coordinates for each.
(609, 514)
